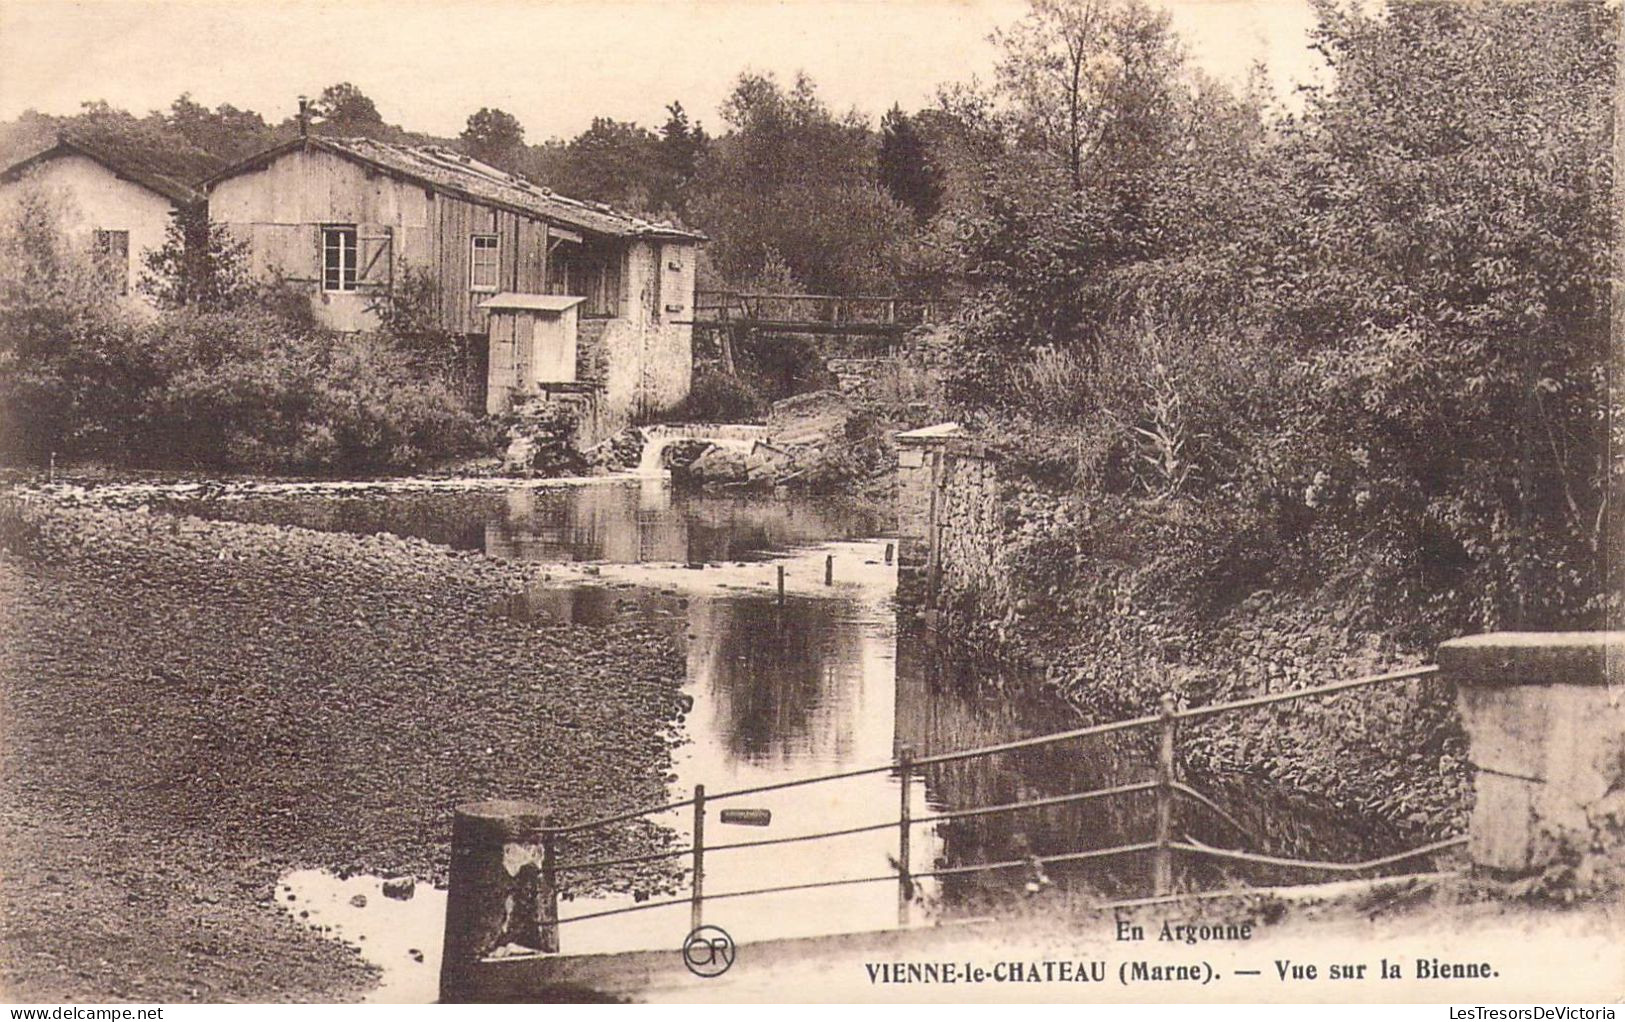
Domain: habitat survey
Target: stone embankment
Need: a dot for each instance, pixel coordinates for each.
(1045, 582)
(192, 708)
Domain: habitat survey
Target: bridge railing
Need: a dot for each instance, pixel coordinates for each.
(787, 310)
(1163, 845)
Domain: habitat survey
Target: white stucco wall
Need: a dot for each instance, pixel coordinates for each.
(90, 198)
(648, 356)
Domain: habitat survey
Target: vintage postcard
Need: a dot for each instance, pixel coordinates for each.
(1096, 501)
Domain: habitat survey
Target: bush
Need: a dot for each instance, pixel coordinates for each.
(316, 401)
(62, 337)
(1059, 380)
(549, 430)
(719, 397)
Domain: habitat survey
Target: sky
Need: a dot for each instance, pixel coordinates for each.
(554, 64)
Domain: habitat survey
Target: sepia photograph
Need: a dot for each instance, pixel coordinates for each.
(1101, 502)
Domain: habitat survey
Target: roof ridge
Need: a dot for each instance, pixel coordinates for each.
(440, 166)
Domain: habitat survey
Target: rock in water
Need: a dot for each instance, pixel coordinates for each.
(720, 465)
(400, 888)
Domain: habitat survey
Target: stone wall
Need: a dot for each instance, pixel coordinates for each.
(949, 517)
(909, 372)
(1547, 729)
(644, 357)
(969, 522)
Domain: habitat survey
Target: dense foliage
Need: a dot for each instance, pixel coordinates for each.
(1361, 346)
(249, 383)
(719, 397)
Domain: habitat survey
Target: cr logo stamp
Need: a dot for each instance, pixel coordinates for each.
(708, 951)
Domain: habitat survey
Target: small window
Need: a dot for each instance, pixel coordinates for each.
(338, 258)
(113, 256)
(483, 262)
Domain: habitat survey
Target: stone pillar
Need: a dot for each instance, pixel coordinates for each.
(919, 453)
(495, 895)
(1545, 720)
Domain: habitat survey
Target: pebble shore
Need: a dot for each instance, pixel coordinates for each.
(192, 707)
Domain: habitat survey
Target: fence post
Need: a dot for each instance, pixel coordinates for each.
(829, 569)
(547, 899)
(491, 892)
(1162, 860)
(781, 585)
(905, 883)
(890, 551)
(698, 890)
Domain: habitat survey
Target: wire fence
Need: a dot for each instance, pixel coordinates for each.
(1163, 846)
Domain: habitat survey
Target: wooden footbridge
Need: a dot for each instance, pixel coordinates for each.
(854, 315)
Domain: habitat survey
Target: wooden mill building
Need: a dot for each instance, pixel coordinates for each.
(348, 219)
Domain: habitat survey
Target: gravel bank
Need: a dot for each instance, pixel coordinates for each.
(191, 708)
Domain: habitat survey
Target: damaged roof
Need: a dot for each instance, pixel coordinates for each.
(161, 169)
(465, 177)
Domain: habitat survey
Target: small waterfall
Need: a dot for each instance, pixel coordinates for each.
(657, 438)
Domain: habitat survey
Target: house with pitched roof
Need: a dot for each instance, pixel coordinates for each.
(347, 219)
(115, 198)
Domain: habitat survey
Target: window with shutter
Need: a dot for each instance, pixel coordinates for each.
(374, 267)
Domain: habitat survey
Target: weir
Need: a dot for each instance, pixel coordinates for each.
(657, 438)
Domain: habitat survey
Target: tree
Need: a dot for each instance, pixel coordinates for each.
(1444, 267)
(343, 109)
(1101, 173)
(618, 162)
(63, 335)
(494, 136)
(905, 170)
(199, 266)
(225, 132)
(682, 146)
(790, 180)
(1087, 80)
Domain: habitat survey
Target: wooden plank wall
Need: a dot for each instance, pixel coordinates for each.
(278, 210)
(522, 254)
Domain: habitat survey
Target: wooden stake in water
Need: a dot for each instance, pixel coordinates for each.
(889, 550)
(829, 569)
(698, 888)
(781, 585)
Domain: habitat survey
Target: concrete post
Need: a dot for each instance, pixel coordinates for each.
(494, 895)
(1545, 720)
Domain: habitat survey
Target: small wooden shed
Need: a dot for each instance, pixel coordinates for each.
(533, 344)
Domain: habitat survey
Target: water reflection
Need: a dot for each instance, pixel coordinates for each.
(828, 682)
(944, 704)
(784, 681)
(616, 521)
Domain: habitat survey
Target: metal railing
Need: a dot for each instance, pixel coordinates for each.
(1163, 847)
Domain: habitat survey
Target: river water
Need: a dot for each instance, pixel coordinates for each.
(834, 680)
